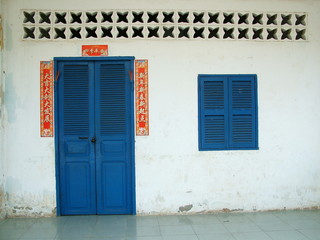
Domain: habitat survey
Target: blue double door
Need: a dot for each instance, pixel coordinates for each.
(95, 135)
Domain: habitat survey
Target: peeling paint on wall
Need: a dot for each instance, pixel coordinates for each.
(30, 205)
(19, 202)
(2, 201)
(186, 208)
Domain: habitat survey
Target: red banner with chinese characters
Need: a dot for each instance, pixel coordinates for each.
(94, 50)
(142, 98)
(46, 98)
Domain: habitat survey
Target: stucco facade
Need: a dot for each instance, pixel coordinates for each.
(172, 175)
(2, 199)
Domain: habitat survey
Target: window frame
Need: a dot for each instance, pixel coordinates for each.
(228, 112)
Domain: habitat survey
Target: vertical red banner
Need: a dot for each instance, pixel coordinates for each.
(142, 97)
(46, 98)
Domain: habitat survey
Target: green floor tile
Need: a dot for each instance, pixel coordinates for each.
(251, 236)
(287, 235)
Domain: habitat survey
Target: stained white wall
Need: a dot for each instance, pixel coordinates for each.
(170, 171)
(2, 200)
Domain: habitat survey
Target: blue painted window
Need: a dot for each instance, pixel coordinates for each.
(227, 112)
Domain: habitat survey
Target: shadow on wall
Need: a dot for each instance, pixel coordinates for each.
(11, 100)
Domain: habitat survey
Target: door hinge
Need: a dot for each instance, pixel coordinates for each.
(131, 75)
(57, 76)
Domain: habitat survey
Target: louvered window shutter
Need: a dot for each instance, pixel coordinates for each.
(242, 116)
(227, 112)
(213, 112)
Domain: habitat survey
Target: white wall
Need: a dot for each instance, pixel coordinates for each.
(2, 197)
(170, 171)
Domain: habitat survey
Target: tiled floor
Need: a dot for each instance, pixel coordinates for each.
(282, 225)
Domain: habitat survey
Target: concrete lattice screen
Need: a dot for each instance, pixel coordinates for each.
(163, 24)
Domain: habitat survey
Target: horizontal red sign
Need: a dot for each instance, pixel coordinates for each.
(94, 50)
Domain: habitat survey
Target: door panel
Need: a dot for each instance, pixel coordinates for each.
(114, 134)
(78, 185)
(77, 148)
(113, 192)
(77, 166)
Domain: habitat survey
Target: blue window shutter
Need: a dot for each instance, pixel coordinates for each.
(242, 112)
(212, 112)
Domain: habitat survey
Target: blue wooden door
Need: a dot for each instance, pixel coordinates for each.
(95, 135)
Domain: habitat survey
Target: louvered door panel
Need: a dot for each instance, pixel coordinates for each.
(113, 99)
(76, 100)
(242, 112)
(113, 135)
(77, 166)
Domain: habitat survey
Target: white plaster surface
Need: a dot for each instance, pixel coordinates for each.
(2, 196)
(170, 171)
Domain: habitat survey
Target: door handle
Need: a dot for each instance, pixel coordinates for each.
(83, 137)
(93, 140)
